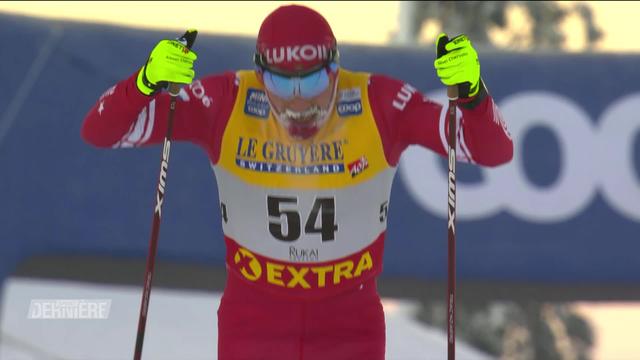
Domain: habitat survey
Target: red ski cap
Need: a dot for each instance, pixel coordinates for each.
(294, 38)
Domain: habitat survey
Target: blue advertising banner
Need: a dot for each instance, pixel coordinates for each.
(565, 210)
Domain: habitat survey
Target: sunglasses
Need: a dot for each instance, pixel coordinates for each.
(307, 86)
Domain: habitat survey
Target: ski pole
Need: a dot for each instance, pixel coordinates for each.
(452, 93)
(187, 39)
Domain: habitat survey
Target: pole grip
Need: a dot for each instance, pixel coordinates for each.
(174, 89)
(187, 39)
(452, 92)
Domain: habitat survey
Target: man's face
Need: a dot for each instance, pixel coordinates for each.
(303, 116)
(299, 104)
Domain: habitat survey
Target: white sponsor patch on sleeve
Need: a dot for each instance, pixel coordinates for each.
(403, 96)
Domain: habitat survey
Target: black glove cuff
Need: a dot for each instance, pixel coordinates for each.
(476, 100)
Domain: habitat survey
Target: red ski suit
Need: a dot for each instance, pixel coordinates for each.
(301, 292)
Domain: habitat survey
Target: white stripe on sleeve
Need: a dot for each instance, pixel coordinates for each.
(463, 146)
(462, 151)
(443, 134)
(152, 116)
(140, 128)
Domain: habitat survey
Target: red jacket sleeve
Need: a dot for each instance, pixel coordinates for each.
(124, 117)
(406, 117)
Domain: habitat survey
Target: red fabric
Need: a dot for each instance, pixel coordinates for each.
(294, 38)
(253, 324)
(365, 264)
(118, 111)
(418, 122)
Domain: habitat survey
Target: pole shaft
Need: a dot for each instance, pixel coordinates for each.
(452, 92)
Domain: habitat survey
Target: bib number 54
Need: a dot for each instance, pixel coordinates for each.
(285, 224)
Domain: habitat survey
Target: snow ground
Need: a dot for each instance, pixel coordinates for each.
(180, 325)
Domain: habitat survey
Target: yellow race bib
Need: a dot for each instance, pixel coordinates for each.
(304, 218)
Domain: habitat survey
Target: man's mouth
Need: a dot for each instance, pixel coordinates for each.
(301, 117)
(305, 121)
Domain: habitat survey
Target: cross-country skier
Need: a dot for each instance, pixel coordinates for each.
(304, 153)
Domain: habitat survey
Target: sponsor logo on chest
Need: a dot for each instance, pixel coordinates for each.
(349, 102)
(273, 156)
(256, 104)
(358, 166)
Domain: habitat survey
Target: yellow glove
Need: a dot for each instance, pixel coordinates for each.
(169, 61)
(457, 63)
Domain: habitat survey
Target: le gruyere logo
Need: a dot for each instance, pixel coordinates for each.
(298, 276)
(272, 156)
